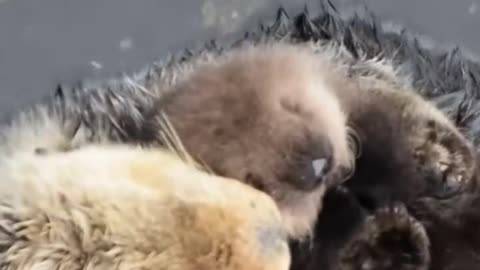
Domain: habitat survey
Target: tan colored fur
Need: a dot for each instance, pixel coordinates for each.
(256, 111)
(121, 207)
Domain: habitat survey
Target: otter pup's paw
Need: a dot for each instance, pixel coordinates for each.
(389, 239)
(445, 158)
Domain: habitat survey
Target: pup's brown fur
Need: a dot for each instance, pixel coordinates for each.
(264, 115)
(120, 207)
(410, 149)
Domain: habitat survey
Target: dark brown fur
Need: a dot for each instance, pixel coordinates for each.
(409, 148)
(452, 226)
(409, 151)
(349, 237)
(389, 239)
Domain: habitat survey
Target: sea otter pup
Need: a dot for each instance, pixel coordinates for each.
(266, 116)
(251, 96)
(263, 113)
(124, 207)
(434, 160)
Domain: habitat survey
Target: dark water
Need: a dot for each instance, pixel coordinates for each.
(43, 42)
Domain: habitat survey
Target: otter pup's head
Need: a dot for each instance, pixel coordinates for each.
(265, 116)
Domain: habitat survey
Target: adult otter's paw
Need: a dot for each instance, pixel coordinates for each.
(446, 159)
(389, 239)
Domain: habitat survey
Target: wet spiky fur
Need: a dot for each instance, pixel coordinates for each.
(114, 110)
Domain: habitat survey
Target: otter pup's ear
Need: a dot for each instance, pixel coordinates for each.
(346, 172)
(354, 142)
(343, 174)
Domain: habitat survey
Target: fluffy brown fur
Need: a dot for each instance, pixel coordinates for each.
(264, 115)
(121, 207)
(409, 148)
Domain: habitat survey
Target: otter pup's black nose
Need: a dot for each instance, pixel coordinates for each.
(314, 172)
